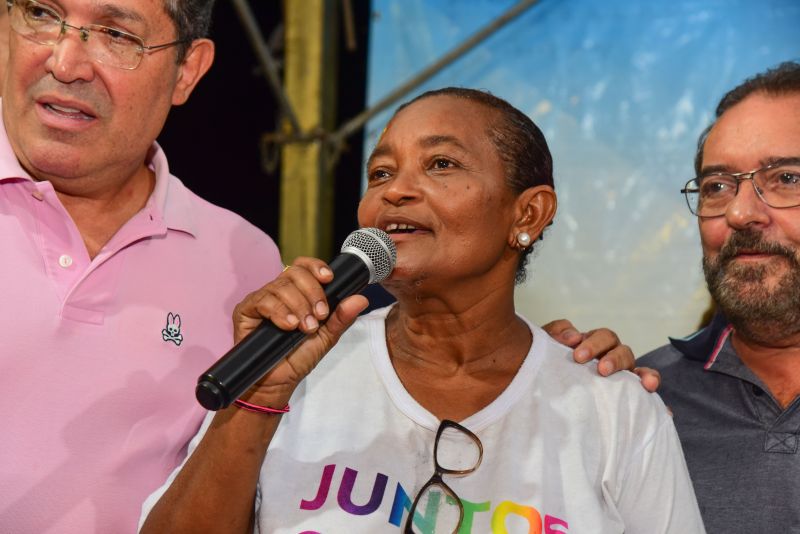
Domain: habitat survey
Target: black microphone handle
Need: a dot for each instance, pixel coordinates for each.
(262, 349)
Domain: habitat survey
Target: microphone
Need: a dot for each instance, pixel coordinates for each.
(367, 256)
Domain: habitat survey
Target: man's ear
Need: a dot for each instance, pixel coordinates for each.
(198, 60)
(535, 209)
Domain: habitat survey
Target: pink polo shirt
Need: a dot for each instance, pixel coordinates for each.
(99, 358)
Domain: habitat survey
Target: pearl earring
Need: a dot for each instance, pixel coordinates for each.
(524, 239)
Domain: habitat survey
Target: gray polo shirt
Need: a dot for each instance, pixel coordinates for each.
(740, 446)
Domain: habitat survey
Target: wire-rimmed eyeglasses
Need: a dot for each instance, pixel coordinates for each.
(437, 508)
(777, 185)
(109, 46)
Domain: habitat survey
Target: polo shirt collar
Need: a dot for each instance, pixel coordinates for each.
(705, 344)
(712, 346)
(170, 200)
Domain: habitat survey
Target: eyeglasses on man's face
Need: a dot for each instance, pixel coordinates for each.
(777, 185)
(436, 508)
(42, 24)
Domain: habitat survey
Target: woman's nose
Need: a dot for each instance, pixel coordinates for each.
(403, 188)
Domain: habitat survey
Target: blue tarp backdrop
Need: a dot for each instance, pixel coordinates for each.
(621, 89)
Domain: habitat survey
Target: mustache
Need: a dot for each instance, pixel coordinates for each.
(87, 93)
(753, 241)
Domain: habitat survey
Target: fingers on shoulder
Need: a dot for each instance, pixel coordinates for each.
(604, 344)
(651, 378)
(603, 337)
(563, 331)
(559, 327)
(620, 358)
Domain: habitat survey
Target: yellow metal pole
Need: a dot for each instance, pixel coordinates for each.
(306, 188)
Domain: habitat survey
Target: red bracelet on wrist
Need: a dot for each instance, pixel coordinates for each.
(260, 409)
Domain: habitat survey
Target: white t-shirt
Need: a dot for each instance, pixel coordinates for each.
(565, 451)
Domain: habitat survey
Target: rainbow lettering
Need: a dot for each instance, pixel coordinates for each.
(401, 505)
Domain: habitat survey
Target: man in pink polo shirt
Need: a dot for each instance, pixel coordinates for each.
(117, 283)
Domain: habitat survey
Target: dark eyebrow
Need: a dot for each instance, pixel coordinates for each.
(377, 152)
(727, 169)
(789, 160)
(436, 140)
(109, 11)
(430, 141)
(113, 11)
(716, 169)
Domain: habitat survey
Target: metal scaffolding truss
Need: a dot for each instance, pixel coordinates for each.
(334, 141)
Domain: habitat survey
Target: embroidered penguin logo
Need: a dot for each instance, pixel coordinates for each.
(173, 330)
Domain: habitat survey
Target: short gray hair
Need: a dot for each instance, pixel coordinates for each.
(192, 19)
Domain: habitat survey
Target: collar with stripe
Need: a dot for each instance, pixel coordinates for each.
(705, 344)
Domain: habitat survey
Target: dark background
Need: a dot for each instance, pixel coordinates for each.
(213, 141)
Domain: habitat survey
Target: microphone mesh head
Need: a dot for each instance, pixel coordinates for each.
(376, 248)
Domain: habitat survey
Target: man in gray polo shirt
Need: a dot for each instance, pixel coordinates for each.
(734, 387)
